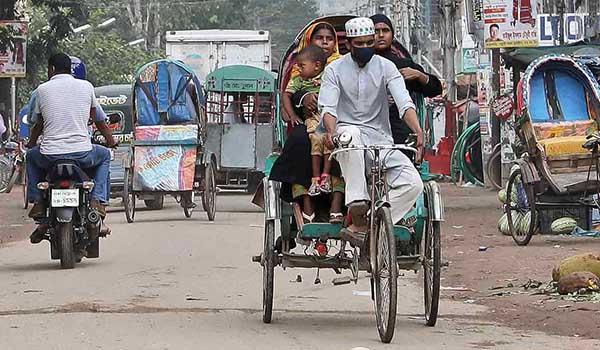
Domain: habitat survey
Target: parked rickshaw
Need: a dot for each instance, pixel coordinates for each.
(558, 109)
(418, 241)
(242, 108)
(168, 151)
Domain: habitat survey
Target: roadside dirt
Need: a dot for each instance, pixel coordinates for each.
(495, 274)
(14, 224)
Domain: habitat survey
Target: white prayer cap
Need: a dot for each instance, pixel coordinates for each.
(360, 26)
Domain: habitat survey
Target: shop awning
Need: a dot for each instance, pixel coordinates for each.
(522, 57)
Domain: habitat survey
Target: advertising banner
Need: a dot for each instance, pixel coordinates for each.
(549, 28)
(510, 23)
(13, 55)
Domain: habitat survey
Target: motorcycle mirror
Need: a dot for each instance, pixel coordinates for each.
(25, 119)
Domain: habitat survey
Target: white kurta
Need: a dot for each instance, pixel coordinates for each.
(357, 97)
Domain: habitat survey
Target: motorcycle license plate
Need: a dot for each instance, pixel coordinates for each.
(65, 198)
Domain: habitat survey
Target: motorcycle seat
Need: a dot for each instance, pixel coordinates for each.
(67, 170)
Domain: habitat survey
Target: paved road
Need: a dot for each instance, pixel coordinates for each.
(166, 282)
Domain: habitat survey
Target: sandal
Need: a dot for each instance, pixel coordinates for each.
(314, 189)
(325, 185)
(336, 218)
(308, 219)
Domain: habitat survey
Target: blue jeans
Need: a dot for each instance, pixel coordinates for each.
(95, 162)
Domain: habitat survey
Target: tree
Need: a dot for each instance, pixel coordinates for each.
(284, 19)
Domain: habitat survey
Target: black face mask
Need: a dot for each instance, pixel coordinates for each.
(362, 55)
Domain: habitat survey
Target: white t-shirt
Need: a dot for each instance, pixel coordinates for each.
(64, 103)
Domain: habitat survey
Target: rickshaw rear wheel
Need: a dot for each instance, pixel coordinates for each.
(432, 266)
(517, 211)
(209, 197)
(268, 270)
(129, 196)
(385, 274)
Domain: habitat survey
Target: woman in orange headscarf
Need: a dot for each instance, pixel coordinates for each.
(323, 35)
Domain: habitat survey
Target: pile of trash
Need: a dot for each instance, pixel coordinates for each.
(578, 275)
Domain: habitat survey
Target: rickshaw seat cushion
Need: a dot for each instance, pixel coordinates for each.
(559, 146)
(550, 130)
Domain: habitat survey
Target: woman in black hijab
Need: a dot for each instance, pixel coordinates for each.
(417, 81)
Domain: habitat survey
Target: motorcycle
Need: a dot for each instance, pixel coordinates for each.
(72, 226)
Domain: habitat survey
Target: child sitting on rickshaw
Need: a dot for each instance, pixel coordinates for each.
(311, 62)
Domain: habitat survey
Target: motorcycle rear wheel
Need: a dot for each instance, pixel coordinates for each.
(67, 251)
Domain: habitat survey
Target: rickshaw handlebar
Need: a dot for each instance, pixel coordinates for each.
(373, 148)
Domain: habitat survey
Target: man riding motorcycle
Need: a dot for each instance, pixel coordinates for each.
(61, 112)
(354, 100)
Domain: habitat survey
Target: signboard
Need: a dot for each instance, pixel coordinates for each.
(12, 59)
(470, 60)
(510, 23)
(503, 107)
(549, 28)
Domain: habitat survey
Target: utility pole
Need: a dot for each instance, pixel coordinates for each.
(449, 45)
(7, 12)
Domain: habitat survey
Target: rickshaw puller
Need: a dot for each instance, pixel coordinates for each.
(353, 99)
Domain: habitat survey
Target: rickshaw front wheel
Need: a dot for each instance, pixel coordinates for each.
(187, 201)
(209, 197)
(385, 274)
(129, 196)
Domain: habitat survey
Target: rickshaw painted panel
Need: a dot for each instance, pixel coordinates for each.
(564, 129)
(213, 141)
(164, 168)
(182, 133)
(264, 144)
(238, 146)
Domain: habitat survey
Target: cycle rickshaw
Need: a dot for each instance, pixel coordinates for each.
(418, 240)
(169, 153)
(558, 109)
(242, 107)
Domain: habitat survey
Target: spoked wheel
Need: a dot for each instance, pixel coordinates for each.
(129, 196)
(385, 274)
(5, 173)
(268, 262)
(24, 185)
(187, 200)
(432, 265)
(12, 180)
(209, 197)
(520, 210)
(65, 237)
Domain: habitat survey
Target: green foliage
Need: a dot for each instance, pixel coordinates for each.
(284, 19)
(108, 58)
